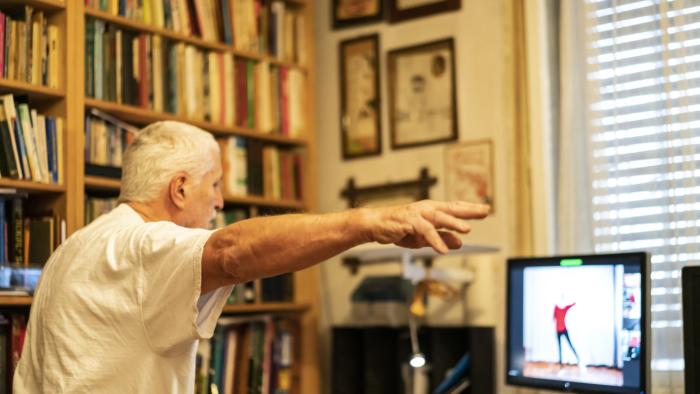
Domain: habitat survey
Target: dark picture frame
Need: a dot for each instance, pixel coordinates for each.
(349, 13)
(422, 94)
(401, 10)
(360, 97)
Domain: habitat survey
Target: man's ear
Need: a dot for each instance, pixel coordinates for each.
(176, 190)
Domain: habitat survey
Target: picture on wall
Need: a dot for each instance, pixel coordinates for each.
(347, 13)
(422, 97)
(469, 172)
(400, 10)
(360, 116)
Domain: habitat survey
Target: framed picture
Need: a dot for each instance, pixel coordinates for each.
(360, 117)
(391, 193)
(469, 172)
(400, 10)
(422, 97)
(347, 13)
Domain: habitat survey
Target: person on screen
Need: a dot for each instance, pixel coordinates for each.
(562, 331)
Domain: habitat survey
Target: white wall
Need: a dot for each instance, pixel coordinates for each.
(480, 32)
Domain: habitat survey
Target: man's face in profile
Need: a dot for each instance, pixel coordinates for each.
(204, 198)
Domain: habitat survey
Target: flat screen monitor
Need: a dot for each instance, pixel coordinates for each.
(579, 323)
(691, 327)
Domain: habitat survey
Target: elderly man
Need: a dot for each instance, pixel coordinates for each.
(123, 302)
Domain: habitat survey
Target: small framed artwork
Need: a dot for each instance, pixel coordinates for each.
(469, 172)
(422, 97)
(360, 117)
(347, 13)
(400, 10)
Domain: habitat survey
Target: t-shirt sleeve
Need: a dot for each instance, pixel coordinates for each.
(173, 309)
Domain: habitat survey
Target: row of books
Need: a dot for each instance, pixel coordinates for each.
(26, 239)
(253, 168)
(249, 25)
(29, 48)
(31, 144)
(106, 138)
(252, 355)
(98, 206)
(151, 72)
(13, 329)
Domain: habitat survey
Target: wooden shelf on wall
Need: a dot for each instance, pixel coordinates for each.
(31, 186)
(273, 307)
(44, 5)
(33, 91)
(7, 300)
(142, 116)
(101, 183)
(265, 202)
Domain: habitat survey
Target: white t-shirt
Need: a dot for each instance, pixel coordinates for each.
(118, 310)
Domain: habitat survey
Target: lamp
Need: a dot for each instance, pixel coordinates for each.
(417, 357)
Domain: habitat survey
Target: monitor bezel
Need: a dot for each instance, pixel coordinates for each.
(589, 259)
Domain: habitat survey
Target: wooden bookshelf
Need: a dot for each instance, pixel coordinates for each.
(142, 116)
(33, 91)
(71, 104)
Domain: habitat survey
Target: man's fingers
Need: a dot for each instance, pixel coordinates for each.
(428, 231)
(442, 220)
(464, 210)
(451, 239)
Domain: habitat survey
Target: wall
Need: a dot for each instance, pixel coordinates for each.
(480, 30)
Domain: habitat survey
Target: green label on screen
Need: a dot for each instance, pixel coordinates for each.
(570, 262)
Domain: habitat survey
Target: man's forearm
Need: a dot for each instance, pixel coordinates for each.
(268, 246)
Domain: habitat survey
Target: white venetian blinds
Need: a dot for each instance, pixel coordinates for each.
(643, 68)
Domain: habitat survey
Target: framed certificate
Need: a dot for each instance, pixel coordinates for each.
(469, 172)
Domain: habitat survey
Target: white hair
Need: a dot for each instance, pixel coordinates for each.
(161, 150)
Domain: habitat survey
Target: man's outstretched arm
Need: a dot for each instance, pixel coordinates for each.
(268, 246)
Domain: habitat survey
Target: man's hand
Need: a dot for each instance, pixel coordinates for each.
(423, 223)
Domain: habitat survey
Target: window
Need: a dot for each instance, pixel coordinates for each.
(643, 72)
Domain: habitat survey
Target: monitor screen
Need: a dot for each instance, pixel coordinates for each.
(578, 323)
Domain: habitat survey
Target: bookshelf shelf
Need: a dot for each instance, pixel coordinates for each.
(33, 91)
(276, 307)
(45, 5)
(101, 183)
(143, 116)
(213, 45)
(32, 187)
(265, 202)
(8, 300)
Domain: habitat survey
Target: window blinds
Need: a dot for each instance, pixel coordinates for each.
(643, 67)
